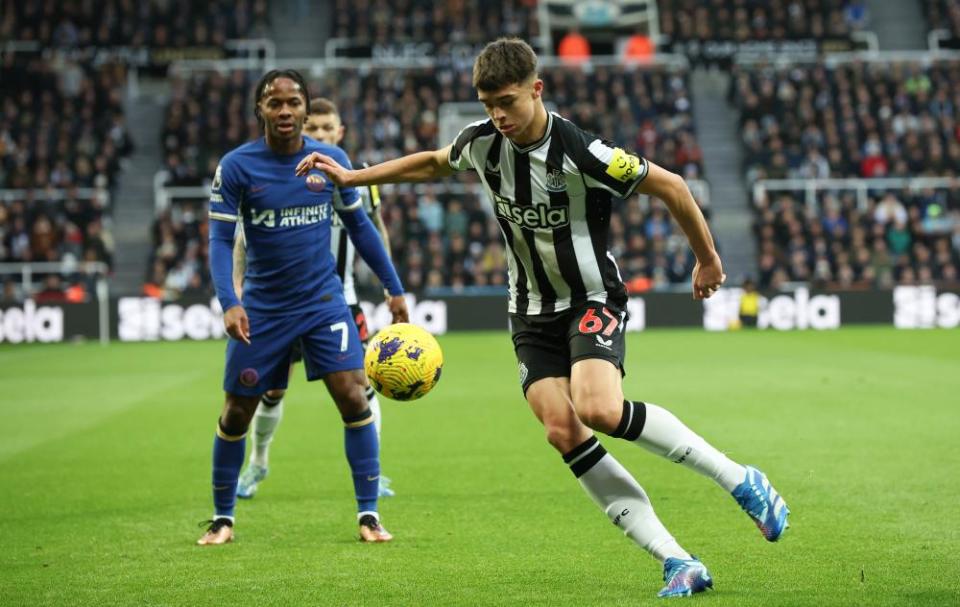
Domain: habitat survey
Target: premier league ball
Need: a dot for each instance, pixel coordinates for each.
(403, 362)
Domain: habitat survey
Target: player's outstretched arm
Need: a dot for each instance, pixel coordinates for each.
(672, 189)
(421, 166)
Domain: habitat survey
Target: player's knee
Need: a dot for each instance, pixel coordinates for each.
(597, 411)
(562, 435)
(275, 395)
(350, 394)
(237, 413)
(234, 422)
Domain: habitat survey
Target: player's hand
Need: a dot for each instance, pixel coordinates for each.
(707, 278)
(237, 324)
(398, 308)
(315, 160)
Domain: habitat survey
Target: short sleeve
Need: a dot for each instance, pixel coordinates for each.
(226, 191)
(459, 157)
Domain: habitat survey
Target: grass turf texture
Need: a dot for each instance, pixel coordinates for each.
(105, 466)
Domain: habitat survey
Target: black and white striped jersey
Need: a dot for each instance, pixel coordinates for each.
(552, 200)
(342, 247)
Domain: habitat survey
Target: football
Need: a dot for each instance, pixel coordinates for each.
(403, 362)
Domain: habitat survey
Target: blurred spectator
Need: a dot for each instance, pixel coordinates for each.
(838, 244)
(944, 15)
(156, 24)
(853, 120)
(52, 292)
(747, 20)
(441, 23)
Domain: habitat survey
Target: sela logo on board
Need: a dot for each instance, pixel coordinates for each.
(29, 323)
(147, 319)
(783, 312)
(923, 308)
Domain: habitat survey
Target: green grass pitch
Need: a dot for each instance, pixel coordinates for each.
(105, 466)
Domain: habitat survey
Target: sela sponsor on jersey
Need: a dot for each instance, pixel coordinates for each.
(536, 217)
(289, 217)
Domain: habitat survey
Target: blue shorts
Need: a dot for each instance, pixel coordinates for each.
(328, 337)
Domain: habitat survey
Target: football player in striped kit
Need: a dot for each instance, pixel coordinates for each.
(323, 124)
(551, 185)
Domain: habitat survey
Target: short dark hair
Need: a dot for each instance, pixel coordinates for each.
(322, 105)
(503, 62)
(268, 78)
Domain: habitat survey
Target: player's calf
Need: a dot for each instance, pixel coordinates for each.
(229, 445)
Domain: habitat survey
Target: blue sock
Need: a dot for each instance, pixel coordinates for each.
(363, 454)
(227, 460)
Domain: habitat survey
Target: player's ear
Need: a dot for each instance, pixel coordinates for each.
(537, 88)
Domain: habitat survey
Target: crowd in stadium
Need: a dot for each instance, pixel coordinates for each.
(112, 23)
(855, 120)
(944, 15)
(63, 139)
(443, 23)
(893, 240)
(744, 20)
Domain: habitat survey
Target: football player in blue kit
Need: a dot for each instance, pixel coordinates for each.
(291, 293)
(323, 124)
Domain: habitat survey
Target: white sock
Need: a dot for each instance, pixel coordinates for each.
(662, 433)
(262, 429)
(622, 499)
(374, 405)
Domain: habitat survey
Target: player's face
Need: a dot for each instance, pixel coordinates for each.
(513, 108)
(325, 128)
(284, 109)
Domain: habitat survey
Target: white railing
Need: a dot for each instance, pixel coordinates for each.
(315, 67)
(264, 48)
(99, 194)
(862, 187)
(924, 58)
(868, 38)
(935, 37)
(26, 272)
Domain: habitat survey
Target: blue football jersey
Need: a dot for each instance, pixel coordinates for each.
(286, 223)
